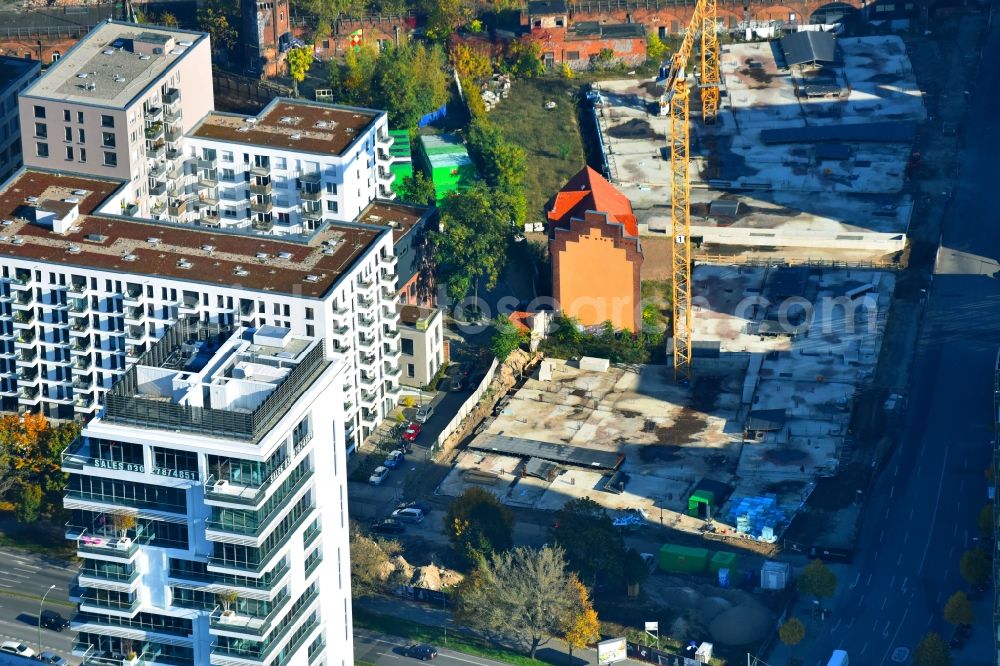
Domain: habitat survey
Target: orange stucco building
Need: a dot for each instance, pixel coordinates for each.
(596, 254)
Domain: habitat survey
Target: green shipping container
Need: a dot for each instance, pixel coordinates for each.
(682, 559)
(446, 162)
(722, 560)
(701, 504)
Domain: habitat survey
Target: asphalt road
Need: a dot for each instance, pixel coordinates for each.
(388, 651)
(921, 515)
(24, 578)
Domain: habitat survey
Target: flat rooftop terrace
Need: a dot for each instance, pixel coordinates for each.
(296, 125)
(400, 217)
(114, 63)
(183, 253)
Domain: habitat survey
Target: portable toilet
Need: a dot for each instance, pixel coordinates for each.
(723, 560)
(723, 577)
(701, 503)
(774, 575)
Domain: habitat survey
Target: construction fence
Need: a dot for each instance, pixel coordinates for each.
(467, 406)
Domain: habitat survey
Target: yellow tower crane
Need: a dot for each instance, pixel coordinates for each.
(675, 99)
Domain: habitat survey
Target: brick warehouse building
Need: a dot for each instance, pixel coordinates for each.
(596, 254)
(670, 17)
(576, 43)
(47, 34)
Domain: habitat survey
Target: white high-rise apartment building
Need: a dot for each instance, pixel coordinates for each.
(208, 505)
(83, 295)
(118, 104)
(284, 171)
(134, 102)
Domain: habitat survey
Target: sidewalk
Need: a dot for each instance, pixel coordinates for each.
(553, 652)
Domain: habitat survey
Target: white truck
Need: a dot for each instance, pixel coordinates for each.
(838, 658)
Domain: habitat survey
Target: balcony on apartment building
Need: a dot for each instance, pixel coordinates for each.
(158, 171)
(311, 193)
(172, 115)
(263, 222)
(261, 204)
(154, 131)
(261, 186)
(208, 177)
(258, 170)
(156, 150)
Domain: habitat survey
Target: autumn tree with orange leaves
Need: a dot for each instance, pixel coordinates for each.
(31, 478)
(582, 627)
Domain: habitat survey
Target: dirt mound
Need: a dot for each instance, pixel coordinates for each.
(433, 577)
(740, 625)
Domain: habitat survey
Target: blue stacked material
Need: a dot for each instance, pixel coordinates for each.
(751, 515)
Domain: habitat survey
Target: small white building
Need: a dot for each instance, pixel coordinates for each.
(422, 348)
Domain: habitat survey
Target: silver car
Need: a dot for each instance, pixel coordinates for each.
(424, 414)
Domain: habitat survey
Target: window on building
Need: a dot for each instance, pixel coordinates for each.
(310, 314)
(110, 159)
(284, 218)
(331, 206)
(69, 152)
(83, 154)
(410, 370)
(107, 121)
(572, 55)
(67, 115)
(227, 156)
(407, 347)
(310, 330)
(42, 149)
(41, 130)
(280, 163)
(108, 139)
(331, 188)
(68, 133)
(39, 111)
(81, 136)
(79, 116)
(56, 55)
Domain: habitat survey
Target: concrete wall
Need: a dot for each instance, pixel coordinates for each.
(882, 242)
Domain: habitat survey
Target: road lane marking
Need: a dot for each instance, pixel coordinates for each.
(857, 579)
(864, 647)
(937, 502)
(902, 621)
(892, 581)
(899, 560)
(892, 492)
(836, 626)
(905, 579)
(870, 579)
(885, 632)
(906, 537)
(885, 600)
(896, 473)
(881, 536)
(851, 623)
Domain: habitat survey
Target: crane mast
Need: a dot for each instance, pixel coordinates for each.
(677, 100)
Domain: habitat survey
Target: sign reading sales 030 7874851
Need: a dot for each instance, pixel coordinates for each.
(611, 651)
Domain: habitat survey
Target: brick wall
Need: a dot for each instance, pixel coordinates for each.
(40, 47)
(564, 47)
(671, 17)
(375, 30)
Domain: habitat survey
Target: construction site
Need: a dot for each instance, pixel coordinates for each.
(779, 355)
(810, 148)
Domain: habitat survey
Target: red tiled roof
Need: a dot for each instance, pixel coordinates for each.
(588, 190)
(521, 320)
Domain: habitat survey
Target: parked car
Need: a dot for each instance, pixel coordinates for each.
(52, 658)
(16, 647)
(394, 459)
(408, 515)
(53, 620)
(378, 476)
(423, 652)
(412, 432)
(388, 526)
(422, 507)
(424, 414)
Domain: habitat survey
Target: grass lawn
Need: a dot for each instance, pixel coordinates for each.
(551, 137)
(424, 633)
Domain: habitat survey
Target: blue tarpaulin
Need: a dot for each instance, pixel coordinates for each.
(433, 116)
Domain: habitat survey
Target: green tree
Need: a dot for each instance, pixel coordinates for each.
(169, 20)
(299, 61)
(470, 62)
(792, 632)
(501, 162)
(605, 59)
(410, 81)
(595, 548)
(975, 566)
(27, 498)
(471, 249)
(417, 189)
(655, 48)
(522, 595)
(984, 521)
(444, 17)
(326, 12)
(477, 524)
(581, 627)
(817, 579)
(958, 610)
(524, 60)
(214, 18)
(931, 651)
(506, 337)
(566, 72)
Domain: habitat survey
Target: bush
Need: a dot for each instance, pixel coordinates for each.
(568, 340)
